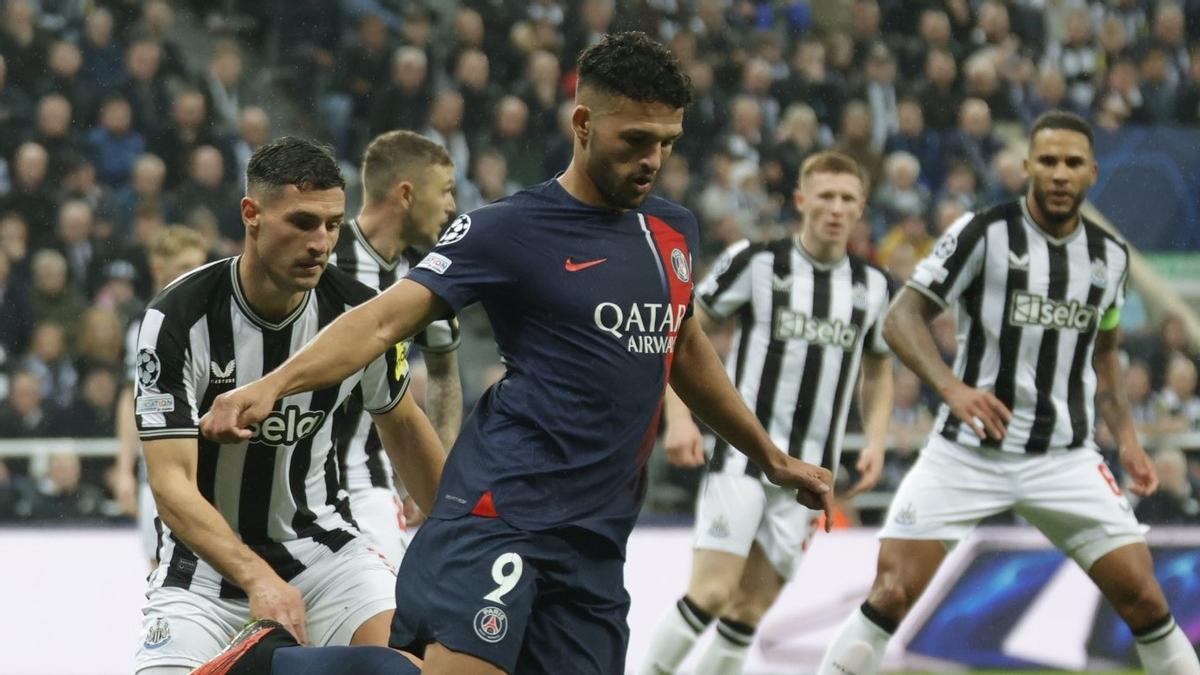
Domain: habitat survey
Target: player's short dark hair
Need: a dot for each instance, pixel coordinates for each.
(829, 161)
(396, 156)
(292, 161)
(1061, 119)
(633, 65)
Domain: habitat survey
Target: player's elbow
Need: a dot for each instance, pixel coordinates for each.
(893, 331)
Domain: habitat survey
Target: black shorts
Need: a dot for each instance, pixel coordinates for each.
(528, 602)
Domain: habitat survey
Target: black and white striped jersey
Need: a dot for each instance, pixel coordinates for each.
(801, 329)
(363, 462)
(280, 490)
(1028, 307)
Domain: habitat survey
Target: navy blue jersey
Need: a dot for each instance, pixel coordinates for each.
(586, 304)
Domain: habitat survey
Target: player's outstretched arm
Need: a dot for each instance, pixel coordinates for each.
(876, 405)
(702, 384)
(171, 467)
(347, 345)
(1114, 407)
(414, 448)
(906, 329)
(123, 476)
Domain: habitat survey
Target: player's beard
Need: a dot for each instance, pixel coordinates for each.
(1056, 217)
(616, 191)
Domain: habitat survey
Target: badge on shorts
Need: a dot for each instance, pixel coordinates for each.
(158, 634)
(491, 624)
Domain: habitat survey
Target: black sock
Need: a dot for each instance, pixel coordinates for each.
(695, 617)
(1156, 631)
(738, 633)
(876, 617)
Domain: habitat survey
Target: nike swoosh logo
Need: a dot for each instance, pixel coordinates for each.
(573, 266)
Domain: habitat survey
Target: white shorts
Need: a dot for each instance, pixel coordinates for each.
(380, 516)
(341, 591)
(734, 510)
(146, 514)
(1070, 496)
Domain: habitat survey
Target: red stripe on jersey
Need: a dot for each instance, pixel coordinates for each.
(485, 507)
(669, 240)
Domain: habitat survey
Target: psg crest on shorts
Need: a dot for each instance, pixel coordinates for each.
(680, 262)
(491, 624)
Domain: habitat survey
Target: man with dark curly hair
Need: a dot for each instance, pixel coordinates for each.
(587, 281)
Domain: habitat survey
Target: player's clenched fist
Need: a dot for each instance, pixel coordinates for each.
(813, 484)
(232, 413)
(273, 598)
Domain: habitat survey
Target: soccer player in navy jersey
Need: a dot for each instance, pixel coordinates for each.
(587, 281)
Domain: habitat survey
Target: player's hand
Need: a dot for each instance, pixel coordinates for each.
(979, 409)
(813, 484)
(870, 467)
(232, 413)
(273, 598)
(684, 443)
(124, 489)
(1140, 468)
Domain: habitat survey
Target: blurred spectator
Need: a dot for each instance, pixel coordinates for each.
(757, 83)
(594, 19)
(145, 87)
(796, 137)
(1006, 180)
(1114, 41)
(974, 142)
(900, 193)
(158, 23)
(541, 93)
(205, 189)
(901, 261)
(1142, 406)
(909, 425)
(115, 144)
(14, 244)
(745, 137)
(1122, 95)
(675, 181)
(1188, 102)
(945, 212)
(445, 129)
(362, 68)
(30, 195)
(811, 83)
(145, 188)
(879, 92)
(1158, 87)
(63, 496)
(561, 148)
(1130, 14)
(309, 33)
(473, 75)
(187, 130)
(80, 184)
(22, 44)
(23, 413)
(93, 413)
(49, 361)
(54, 133)
(16, 492)
(910, 230)
(102, 65)
(489, 181)
(253, 132)
(938, 94)
(961, 184)
(1049, 93)
(1177, 501)
(982, 81)
(16, 110)
(65, 64)
(52, 297)
(1177, 405)
(1077, 58)
(16, 314)
(225, 89)
(1170, 37)
(912, 137)
(404, 102)
(933, 32)
(508, 137)
(100, 341)
(706, 117)
(854, 140)
(77, 243)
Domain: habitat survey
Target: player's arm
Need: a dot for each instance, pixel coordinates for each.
(443, 395)
(682, 440)
(1114, 407)
(875, 398)
(906, 329)
(345, 346)
(123, 478)
(703, 386)
(414, 448)
(171, 468)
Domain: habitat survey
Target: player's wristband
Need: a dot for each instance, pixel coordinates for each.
(1110, 319)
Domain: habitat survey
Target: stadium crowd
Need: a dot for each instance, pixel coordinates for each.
(115, 121)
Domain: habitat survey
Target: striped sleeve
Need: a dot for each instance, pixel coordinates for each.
(385, 380)
(730, 284)
(955, 261)
(1123, 279)
(875, 342)
(165, 404)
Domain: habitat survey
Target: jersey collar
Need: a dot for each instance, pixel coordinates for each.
(362, 238)
(240, 297)
(1046, 235)
(817, 264)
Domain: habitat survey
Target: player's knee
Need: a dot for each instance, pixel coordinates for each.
(711, 596)
(747, 610)
(890, 597)
(1141, 606)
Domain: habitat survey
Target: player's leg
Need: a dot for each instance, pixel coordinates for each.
(440, 660)
(729, 510)
(947, 491)
(380, 516)
(1073, 498)
(182, 629)
(266, 648)
(147, 521)
(349, 596)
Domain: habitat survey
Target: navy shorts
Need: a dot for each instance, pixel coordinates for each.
(528, 602)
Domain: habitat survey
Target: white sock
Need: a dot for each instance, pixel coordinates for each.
(673, 638)
(858, 647)
(728, 650)
(1167, 651)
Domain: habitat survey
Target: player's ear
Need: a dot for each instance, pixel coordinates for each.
(581, 120)
(402, 192)
(251, 211)
(798, 197)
